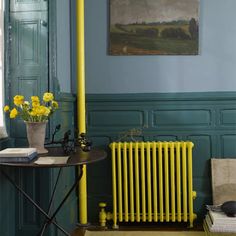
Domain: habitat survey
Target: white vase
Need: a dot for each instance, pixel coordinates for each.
(36, 135)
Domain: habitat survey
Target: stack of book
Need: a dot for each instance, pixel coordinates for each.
(13, 155)
(218, 223)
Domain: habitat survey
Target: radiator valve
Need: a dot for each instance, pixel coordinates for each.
(102, 214)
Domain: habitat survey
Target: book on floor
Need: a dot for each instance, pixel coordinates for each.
(221, 217)
(220, 222)
(220, 233)
(17, 154)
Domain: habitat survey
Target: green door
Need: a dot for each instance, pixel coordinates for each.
(28, 75)
(28, 53)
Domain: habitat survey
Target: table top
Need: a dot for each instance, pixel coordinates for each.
(78, 158)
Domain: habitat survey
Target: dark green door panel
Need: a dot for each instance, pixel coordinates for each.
(28, 218)
(28, 5)
(29, 58)
(7, 205)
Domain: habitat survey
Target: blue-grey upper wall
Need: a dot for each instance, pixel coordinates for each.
(213, 70)
(63, 45)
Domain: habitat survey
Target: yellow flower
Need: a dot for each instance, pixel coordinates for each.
(55, 104)
(35, 104)
(18, 100)
(33, 113)
(46, 111)
(6, 108)
(37, 111)
(47, 97)
(33, 110)
(13, 113)
(35, 99)
(41, 111)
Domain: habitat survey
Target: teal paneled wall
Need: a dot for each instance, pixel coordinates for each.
(206, 119)
(7, 205)
(7, 200)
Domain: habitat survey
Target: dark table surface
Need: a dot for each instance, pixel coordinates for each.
(78, 158)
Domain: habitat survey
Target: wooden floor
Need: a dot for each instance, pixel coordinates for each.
(78, 232)
(163, 227)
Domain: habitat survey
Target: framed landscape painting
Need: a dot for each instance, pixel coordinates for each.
(154, 27)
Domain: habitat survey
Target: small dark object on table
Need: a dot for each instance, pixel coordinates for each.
(69, 144)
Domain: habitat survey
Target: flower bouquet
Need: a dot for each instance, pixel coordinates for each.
(35, 114)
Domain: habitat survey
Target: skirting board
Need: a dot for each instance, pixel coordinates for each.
(144, 233)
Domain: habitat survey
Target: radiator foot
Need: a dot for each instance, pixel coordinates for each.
(190, 225)
(115, 226)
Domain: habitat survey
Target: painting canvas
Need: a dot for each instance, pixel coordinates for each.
(154, 27)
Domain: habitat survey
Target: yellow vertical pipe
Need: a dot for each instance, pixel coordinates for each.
(114, 187)
(166, 168)
(143, 182)
(81, 103)
(178, 185)
(120, 183)
(160, 176)
(184, 179)
(126, 206)
(172, 177)
(190, 183)
(137, 190)
(131, 182)
(149, 186)
(154, 171)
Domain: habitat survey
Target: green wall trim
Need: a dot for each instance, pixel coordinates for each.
(210, 96)
(206, 119)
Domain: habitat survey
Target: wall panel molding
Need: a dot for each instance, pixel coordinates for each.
(206, 119)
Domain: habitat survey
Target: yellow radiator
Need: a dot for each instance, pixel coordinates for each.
(151, 182)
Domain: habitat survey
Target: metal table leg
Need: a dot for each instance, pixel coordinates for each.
(41, 232)
(31, 200)
(69, 192)
(49, 219)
